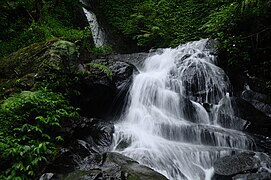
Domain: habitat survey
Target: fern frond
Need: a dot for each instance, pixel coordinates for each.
(103, 68)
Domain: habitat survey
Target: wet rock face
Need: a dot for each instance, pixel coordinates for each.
(122, 72)
(242, 166)
(231, 165)
(88, 137)
(253, 176)
(122, 76)
(84, 156)
(128, 168)
(94, 131)
(137, 59)
(111, 166)
(257, 121)
(260, 101)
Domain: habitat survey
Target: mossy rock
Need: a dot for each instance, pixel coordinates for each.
(20, 70)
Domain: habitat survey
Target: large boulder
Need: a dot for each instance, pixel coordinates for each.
(260, 101)
(231, 165)
(22, 70)
(122, 77)
(253, 176)
(104, 90)
(85, 140)
(258, 122)
(94, 87)
(113, 166)
(96, 94)
(84, 156)
(242, 165)
(137, 59)
(122, 72)
(128, 169)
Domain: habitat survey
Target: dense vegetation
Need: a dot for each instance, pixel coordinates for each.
(28, 132)
(24, 22)
(242, 27)
(29, 119)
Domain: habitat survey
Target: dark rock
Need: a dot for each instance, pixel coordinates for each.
(208, 107)
(117, 166)
(229, 166)
(247, 166)
(231, 122)
(131, 168)
(22, 69)
(258, 82)
(47, 176)
(97, 93)
(122, 72)
(122, 76)
(64, 162)
(95, 132)
(188, 109)
(89, 138)
(259, 123)
(198, 79)
(137, 59)
(260, 101)
(253, 176)
(109, 166)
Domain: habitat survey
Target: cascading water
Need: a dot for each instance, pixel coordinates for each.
(179, 119)
(97, 32)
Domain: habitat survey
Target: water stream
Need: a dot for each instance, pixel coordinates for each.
(179, 117)
(97, 32)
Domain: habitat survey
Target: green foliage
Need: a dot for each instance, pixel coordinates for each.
(27, 22)
(244, 30)
(66, 84)
(101, 50)
(103, 68)
(242, 27)
(27, 132)
(221, 21)
(158, 23)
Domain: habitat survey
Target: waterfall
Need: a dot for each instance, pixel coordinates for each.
(179, 118)
(97, 32)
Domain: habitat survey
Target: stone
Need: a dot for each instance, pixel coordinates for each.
(117, 166)
(87, 139)
(258, 122)
(122, 77)
(22, 70)
(229, 166)
(260, 101)
(253, 176)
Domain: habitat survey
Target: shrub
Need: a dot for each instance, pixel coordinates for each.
(27, 138)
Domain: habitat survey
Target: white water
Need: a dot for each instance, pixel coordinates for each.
(97, 32)
(165, 125)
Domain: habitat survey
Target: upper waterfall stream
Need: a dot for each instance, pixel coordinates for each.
(179, 117)
(97, 32)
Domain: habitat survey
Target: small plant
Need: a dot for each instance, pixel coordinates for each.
(101, 50)
(103, 68)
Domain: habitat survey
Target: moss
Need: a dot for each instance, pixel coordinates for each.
(22, 69)
(132, 177)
